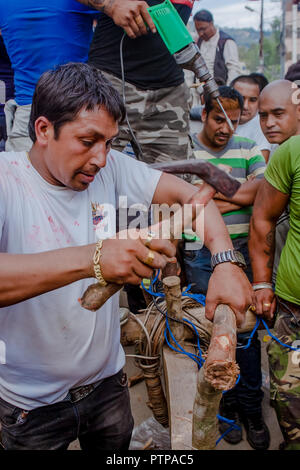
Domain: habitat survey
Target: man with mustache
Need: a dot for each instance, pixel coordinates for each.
(217, 143)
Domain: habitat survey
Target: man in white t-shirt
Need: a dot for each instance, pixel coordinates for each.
(249, 125)
(61, 366)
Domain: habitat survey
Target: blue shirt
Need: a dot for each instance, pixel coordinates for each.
(42, 34)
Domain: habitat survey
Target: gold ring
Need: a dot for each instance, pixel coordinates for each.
(150, 236)
(139, 20)
(267, 304)
(252, 308)
(150, 258)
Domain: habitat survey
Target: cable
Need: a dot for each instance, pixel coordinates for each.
(277, 339)
(139, 153)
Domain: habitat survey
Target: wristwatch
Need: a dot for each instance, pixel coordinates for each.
(228, 256)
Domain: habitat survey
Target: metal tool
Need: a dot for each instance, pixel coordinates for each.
(185, 51)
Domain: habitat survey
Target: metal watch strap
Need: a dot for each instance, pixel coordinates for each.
(228, 256)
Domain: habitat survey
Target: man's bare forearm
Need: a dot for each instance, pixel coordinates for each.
(100, 5)
(25, 276)
(216, 236)
(262, 248)
(245, 196)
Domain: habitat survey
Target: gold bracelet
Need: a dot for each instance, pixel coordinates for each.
(97, 268)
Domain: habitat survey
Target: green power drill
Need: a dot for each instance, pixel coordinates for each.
(181, 45)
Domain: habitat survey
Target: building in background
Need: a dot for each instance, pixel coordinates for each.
(291, 32)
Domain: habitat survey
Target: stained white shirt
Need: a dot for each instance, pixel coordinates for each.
(49, 343)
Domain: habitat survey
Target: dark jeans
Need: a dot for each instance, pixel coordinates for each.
(247, 394)
(101, 421)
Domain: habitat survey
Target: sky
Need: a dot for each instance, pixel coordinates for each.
(232, 13)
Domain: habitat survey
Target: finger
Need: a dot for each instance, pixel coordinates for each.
(151, 258)
(142, 271)
(203, 196)
(210, 308)
(130, 33)
(273, 309)
(140, 24)
(163, 246)
(240, 317)
(135, 26)
(147, 18)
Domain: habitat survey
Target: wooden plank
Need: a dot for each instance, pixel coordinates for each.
(181, 383)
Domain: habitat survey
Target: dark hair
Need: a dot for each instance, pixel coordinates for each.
(261, 79)
(63, 92)
(203, 15)
(225, 92)
(245, 79)
(293, 72)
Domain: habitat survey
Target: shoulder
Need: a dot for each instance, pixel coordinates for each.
(225, 36)
(241, 142)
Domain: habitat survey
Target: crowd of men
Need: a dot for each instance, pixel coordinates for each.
(85, 96)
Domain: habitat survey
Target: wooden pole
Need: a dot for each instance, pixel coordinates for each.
(218, 374)
(174, 306)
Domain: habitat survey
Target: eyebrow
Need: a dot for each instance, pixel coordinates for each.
(272, 110)
(92, 132)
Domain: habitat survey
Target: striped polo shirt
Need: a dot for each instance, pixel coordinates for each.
(246, 161)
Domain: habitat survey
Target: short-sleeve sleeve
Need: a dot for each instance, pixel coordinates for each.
(279, 172)
(133, 179)
(256, 163)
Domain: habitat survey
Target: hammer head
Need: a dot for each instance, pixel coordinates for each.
(211, 174)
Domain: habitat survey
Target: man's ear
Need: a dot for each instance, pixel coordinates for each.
(204, 115)
(43, 130)
(298, 112)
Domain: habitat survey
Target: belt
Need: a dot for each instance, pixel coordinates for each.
(78, 393)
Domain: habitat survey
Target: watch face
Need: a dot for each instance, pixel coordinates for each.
(240, 258)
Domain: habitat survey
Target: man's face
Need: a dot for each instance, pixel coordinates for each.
(205, 30)
(250, 92)
(278, 117)
(216, 131)
(79, 152)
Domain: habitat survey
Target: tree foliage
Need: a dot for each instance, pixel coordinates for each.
(250, 55)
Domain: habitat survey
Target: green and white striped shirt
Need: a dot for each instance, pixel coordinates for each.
(246, 160)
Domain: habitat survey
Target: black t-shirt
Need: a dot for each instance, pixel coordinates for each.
(147, 62)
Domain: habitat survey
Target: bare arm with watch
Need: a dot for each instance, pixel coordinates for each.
(269, 205)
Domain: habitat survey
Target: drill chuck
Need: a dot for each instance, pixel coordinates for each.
(190, 58)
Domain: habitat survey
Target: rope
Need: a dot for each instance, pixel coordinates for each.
(199, 298)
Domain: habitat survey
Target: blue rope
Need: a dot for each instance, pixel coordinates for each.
(277, 339)
(200, 298)
(231, 428)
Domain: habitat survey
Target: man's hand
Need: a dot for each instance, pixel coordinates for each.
(128, 261)
(230, 286)
(225, 207)
(265, 303)
(131, 15)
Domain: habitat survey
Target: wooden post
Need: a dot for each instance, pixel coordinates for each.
(220, 369)
(219, 373)
(174, 306)
(206, 408)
